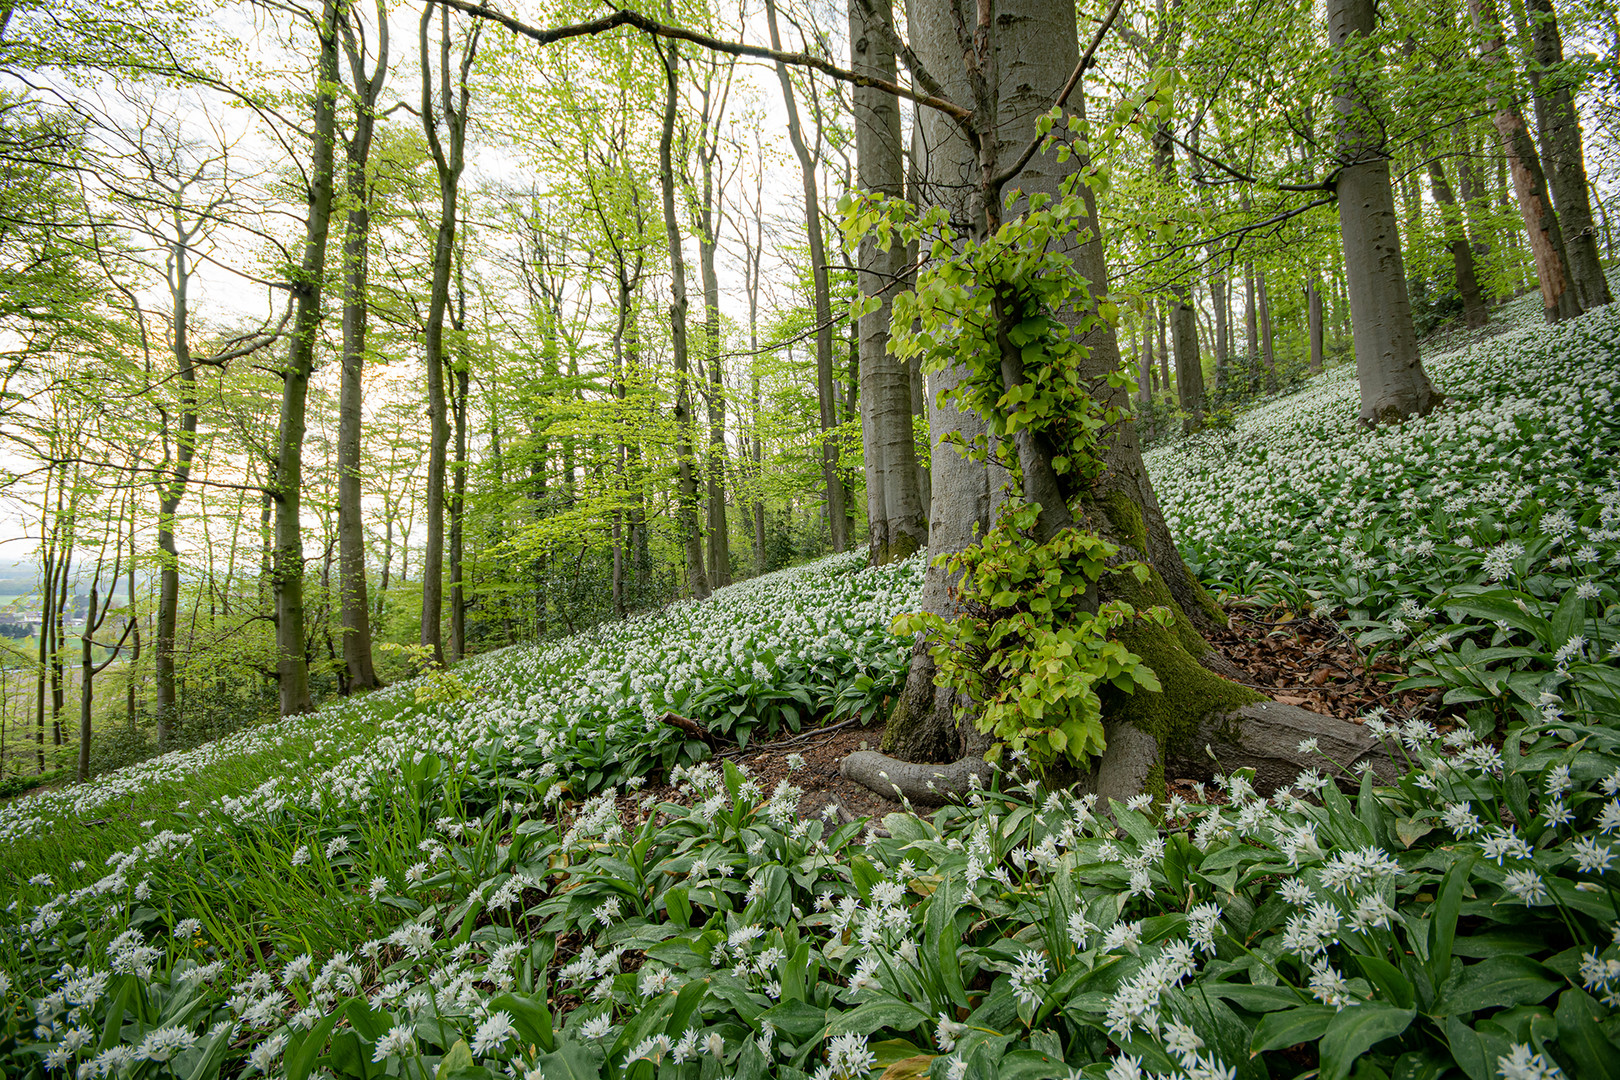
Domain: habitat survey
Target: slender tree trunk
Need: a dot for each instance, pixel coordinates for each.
(1462, 256)
(173, 489)
(1268, 352)
(1558, 296)
(1560, 135)
(1313, 307)
(287, 572)
(1251, 326)
(1183, 327)
(719, 529)
(458, 506)
(1393, 383)
(353, 603)
(837, 516)
(448, 160)
(697, 577)
(1144, 389)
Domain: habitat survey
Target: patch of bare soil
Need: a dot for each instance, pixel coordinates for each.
(820, 749)
(1311, 663)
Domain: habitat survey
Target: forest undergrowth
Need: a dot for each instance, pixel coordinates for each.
(461, 876)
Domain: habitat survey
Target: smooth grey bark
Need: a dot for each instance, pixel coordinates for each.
(1558, 297)
(1475, 199)
(826, 393)
(285, 487)
(697, 578)
(707, 215)
(460, 376)
(1559, 131)
(1313, 309)
(893, 499)
(1393, 383)
(1268, 349)
(1183, 327)
(172, 491)
(353, 603)
(1251, 327)
(1462, 255)
(449, 159)
(1033, 53)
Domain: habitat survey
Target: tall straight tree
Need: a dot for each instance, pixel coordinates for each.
(893, 500)
(1558, 130)
(826, 392)
(449, 108)
(708, 214)
(286, 482)
(1558, 296)
(353, 605)
(686, 495)
(1393, 383)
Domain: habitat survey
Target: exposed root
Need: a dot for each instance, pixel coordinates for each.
(1266, 737)
(922, 783)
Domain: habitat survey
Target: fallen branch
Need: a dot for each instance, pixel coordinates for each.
(692, 728)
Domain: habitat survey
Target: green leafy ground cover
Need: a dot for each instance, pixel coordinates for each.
(454, 878)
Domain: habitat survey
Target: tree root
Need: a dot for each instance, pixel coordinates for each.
(922, 783)
(1264, 736)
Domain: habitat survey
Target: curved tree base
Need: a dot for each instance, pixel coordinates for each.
(1263, 736)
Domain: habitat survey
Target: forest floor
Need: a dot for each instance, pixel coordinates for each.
(1311, 663)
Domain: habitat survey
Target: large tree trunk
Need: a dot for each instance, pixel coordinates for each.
(697, 578)
(287, 569)
(353, 603)
(1558, 296)
(1393, 383)
(893, 501)
(837, 513)
(1036, 50)
(1559, 130)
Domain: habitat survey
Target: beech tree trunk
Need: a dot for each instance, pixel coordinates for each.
(448, 160)
(1560, 134)
(697, 577)
(826, 393)
(1558, 297)
(354, 607)
(719, 563)
(1393, 383)
(172, 491)
(285, 488)
(1462, 255)
(1034, 51)
(1183, 325)
(893, 499)
(1313, 307)
(1268, 348)
(1251, 327)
